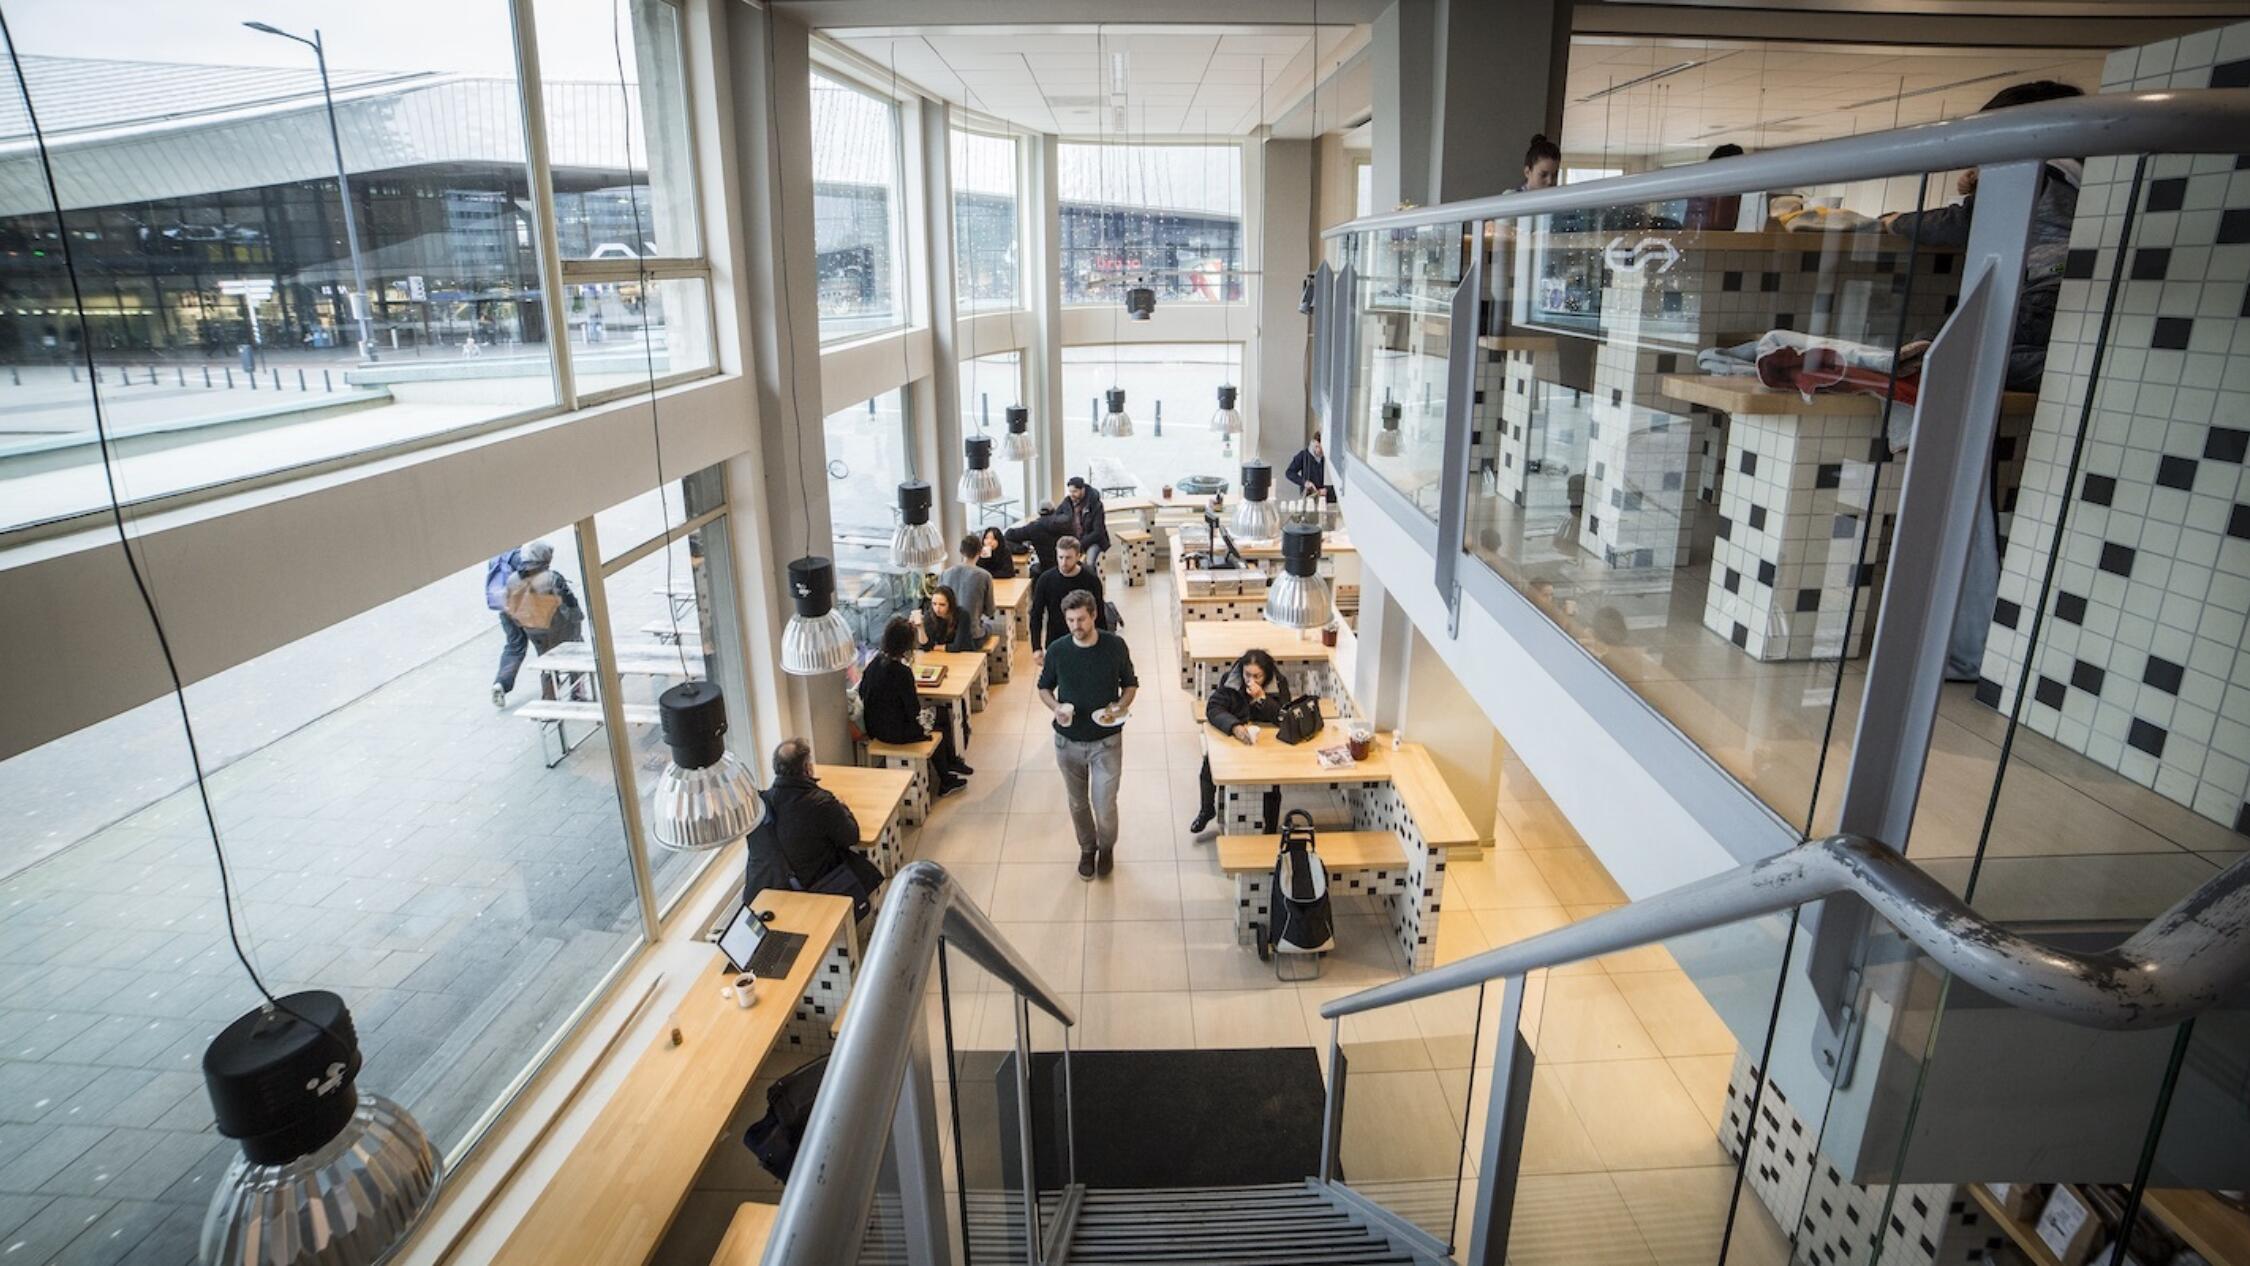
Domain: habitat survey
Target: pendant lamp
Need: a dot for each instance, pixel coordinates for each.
(1228, 419)
(1140, 303)
(1298, 597)
(1387, 439)
(816, 640)
(1257, 520)
(980, 484)
(705, 798)
(916, 543)
(1116, 422)
(328, 1176)
(1017, 445)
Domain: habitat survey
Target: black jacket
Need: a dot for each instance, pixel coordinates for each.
(807, 833)
(890, 708)
(1040, 534)
(1230, 704)
(1001, 563)
(1306, 470)
(1087, 520)
(1047, 594)
(934, 634)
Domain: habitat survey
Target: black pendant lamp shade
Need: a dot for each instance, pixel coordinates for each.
(1298, 598)
(1228, 419)
(816, 639)
(916, 543)
(705, 798)
(1017, 445)
(980, 485)
(1116, 421)
(1257, 520)
(1140, 303)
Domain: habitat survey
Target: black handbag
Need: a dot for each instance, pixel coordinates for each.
(774, 1137)
(1300, 719)
(854, 877)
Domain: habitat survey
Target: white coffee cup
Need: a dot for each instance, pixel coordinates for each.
(1066, 712)
(745, 990)
(1253, 732)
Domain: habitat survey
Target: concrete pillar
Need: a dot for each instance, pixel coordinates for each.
(937, 421)
(1385, 636)
(1043, 358)
(1460, 87)
(1463, 743)
(1276, 382)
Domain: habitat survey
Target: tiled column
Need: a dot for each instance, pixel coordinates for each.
(823, 999)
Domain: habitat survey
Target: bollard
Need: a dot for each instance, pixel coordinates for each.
(152, 375)
(325, 384)
(16, 374)
(230, 376)
(206, 375)
(1160, 417)
(74, 373)
(277, 380)
(300, 380)
(181, 372)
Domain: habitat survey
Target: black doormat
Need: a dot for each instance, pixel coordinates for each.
(1152, 1118)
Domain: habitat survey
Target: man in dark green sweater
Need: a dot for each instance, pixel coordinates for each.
(1087, 682)
(1066, 577)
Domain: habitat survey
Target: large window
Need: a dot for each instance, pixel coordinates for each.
(236, 316)
(857, 205)
(1165, 216)
(1171, 391)
(867, 460)
(989, 384)
(987, 225)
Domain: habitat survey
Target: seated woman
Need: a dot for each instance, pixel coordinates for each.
(891, 709)
(1252, 692)
(997, 556)
(938, 628)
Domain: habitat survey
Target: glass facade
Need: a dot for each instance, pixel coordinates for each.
(989, 384)
(1171, 391)
(1165, 216)
(987, 223)
(867, 458)
(857, 205)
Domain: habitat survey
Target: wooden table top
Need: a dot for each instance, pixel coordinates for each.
(1231, 639)
(872, 795)
(1010, 593)
(621, 1184)
(961, 669)
(1424, 793)
(1129, 505)
(1743, 393)
(1270, 762)
(747, 1233)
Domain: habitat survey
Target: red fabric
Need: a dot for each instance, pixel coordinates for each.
(1824, 369)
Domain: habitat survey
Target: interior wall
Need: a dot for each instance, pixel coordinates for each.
(1467, 749)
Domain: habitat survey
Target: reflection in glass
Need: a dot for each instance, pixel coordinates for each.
(989, 385)
(624, 170)
(857, 202)
(987, 228)
(1168, 217)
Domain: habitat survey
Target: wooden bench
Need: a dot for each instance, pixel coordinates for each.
(914, 758)
(1139, 550)
(747, 1233)
(554, 714)
(1372, 862)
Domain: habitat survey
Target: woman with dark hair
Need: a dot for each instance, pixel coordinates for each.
(1252, 693)
(939, 618)
(891, 709)
(1542, 164)
(996, 557)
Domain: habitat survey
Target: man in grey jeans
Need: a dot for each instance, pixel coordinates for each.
(1087, 682)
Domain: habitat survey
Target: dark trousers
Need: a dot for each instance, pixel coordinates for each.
(1211, 799)
(511, 652)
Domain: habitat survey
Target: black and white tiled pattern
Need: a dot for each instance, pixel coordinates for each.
(1411, 897)
(823, 999)
(2138, 665)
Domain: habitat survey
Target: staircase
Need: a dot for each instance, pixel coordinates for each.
(1227, 1226)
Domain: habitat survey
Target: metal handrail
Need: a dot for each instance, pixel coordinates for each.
(833, 1178)
(2181, 962)
(2197, 121)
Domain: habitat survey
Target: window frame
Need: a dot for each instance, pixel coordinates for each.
(906, 269)
(1243, 176)
(1019, 177)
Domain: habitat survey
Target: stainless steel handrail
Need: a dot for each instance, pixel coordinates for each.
(2181, 962)
(2197, 121)
(833, 1179)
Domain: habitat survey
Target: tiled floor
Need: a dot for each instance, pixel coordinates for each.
(1622, 1161)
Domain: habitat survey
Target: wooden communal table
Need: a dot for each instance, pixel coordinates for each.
(1208, 648)
(1395, 791)
(875, 797)
(621, 1184)
(963, 689)
(1797, 490)
(1013, 596)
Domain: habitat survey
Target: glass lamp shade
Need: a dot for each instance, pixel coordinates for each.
(705, 798)
(915, 542)
(1140, 303)
(1298, 598)
(1017, 445)
(1387, 439)
(980, 485)
(328, 1176)
(1228, 419)
(1117, 422)
(1256, 519)
(816, 640)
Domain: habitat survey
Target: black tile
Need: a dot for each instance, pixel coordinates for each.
(1785, 321)
(2117, 559)
(2169, 194)
(1726, 527)
(1593, 525)
(2225, 444)
(2006, 613)
(1617, 498)
(1644, 558)
(2172, 333)
(2176, 472)
(2246, 301)
(2163, 674)
(1942, 264)
(2146, 737)
(2070, 607)
(1732, 581)
(2049, 692)
(1829, 475)
(2234, 74)
(1757, 518)
(1770, 283)
(1843, 527)
(1741, 637)
(2003, 448)
(2079, 265)
(1749, 462)
(1765, 573)
(1808, 599)
(2238, 522)
(2151, 262)
(2234, 226)
(1988, 692)
(2099, 489)
(1673, 480)
(1667, 362)
(1730, 281)
(1616, 395)
(2087, 677)
(1863, 575)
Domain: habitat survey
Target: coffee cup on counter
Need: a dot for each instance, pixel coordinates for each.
(744, 990)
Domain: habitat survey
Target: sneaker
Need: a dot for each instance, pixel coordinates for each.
(950, 785)
(499, 695)
(1105, 860)
(1086, 866)
(1201, 824)
(961, 767)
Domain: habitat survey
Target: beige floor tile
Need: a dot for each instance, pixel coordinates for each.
(1383, 1040)
(1574, 874)
(1507, 926)
(1705, 1077)
(1554, 1140)
(1499, 880)
(1573, 1220)
(1585, 1018)
(1039, 793)
(1215, 960)
(1366, 952)
(1682, 1216)
(1452, 1025)
(1227, 1019)
(1397, 1127)
(996, 1024)
(1459, 934)
(1145, 746)
(1025, 892)
(1205, 891)
(1675, 1014)
(1136, 889)
(956, 839)
(1134, 1021)
(1136, 957)
(1639, 959)
(1039, 838)
(1538, 824)
(1639, 1115)
(1056, 951)
(989, 792)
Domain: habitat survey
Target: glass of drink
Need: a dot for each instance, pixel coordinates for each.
(1361, 738)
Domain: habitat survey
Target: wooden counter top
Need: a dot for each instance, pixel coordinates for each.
(622, 1183)
(1009, 594)
(961, 669)
(1424, 793)
(872, 795)
(1271, 762)
(1745, 394)
(1231, 639)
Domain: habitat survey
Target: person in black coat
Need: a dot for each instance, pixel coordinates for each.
(807, 832)
(891, 709)
(1085, 518)
(997, 557)
(1252, 692)
(1066, 577)
(1309, 471)
(1040, 534)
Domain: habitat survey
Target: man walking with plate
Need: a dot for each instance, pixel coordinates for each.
(1087, 682)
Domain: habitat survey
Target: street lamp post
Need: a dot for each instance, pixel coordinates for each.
(343, 181)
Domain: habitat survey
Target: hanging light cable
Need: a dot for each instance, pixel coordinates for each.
(915, 543)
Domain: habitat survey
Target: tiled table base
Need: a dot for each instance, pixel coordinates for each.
(1411, 894)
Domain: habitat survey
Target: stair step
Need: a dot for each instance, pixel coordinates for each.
(1265, 1225)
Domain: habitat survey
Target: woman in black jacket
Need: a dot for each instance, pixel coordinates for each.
(997, 557)
(891, 709)
(939, 619)
(1252, 692)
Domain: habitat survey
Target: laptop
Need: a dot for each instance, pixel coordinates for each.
(749, 945)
